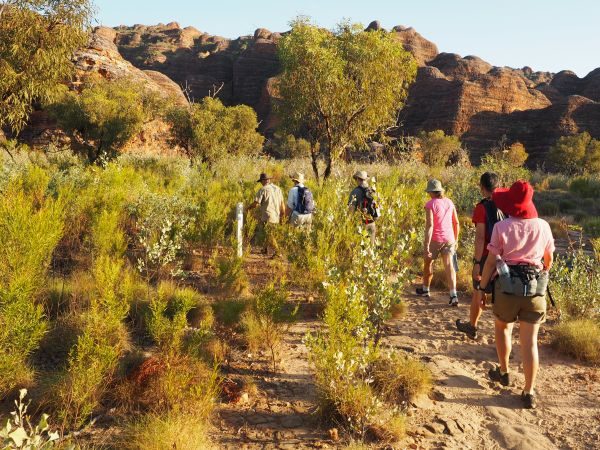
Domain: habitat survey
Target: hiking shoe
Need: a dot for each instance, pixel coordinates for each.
(467, 328)
(453, 301)
(528, 401)
(496, 376)
(422, 292)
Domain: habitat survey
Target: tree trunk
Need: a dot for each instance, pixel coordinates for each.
(314, 161)
(328, 164)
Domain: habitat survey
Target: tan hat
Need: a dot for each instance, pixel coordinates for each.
(434, 186)
(361, 175)
(298, 177)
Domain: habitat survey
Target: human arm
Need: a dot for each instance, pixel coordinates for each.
(488, 271)
(479, 248)
(455, 225)
(289, 207)
(252, 205)
(428, 232)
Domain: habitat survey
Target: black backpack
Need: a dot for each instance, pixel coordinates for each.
(305, 203)
(369, 205)
(493, 215)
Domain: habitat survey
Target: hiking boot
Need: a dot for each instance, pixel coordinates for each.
(453, 301)
(467, 328)
(496, 376)
(422, 292)
(528, 401)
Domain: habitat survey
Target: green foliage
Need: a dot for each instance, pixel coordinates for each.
(288, 146)
(209, 130)
(19, 433)
(436, 148)
(576, 285)
(576, 155)
(167, 319)
(30, 228)
(267, 320)
(579, 338)
(514, 155)
(229, 312)
(339, 88)
(586, 187)
(37, 41)
(231, 277)
(106, 113)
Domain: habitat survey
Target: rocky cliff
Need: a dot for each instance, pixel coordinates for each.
(465, 96)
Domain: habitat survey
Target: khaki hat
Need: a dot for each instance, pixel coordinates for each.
(298, 177)
(361, 175)
(434, 186)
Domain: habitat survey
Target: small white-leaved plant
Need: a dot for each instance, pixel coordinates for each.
(19, 433)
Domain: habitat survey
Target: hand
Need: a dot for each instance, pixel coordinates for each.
(482, 299)
(427, 254)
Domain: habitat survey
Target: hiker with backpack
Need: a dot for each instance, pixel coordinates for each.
(441, 236)
(520, 256)
(485, 216)
(300, 203)
(362, 200)
(272, 211)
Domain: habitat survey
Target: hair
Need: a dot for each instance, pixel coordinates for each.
(438, 194)
(489, 181)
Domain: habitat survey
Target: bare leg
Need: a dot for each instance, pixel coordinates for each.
(427, 271)
(503, 332)
(450, 273)
(476, 307)
(529, 353)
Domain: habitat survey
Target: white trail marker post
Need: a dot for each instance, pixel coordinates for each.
(239, 213)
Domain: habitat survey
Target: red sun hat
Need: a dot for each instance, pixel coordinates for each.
(517, 201)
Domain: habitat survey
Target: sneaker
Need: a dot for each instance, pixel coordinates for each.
(453, 301)
(528, 401)
(467, 328)
(422, 292)
(496, 376)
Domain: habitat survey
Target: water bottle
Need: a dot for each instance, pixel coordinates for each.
(504, 276)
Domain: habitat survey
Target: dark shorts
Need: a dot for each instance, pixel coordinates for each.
(476, 283)
(513, 308)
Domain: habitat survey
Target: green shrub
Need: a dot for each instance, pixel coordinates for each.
(288, 146)
(576, 285)
(591, 226)
(209, 130)
(436, 148)
(167, 319)
(576, 155)
(579, 338)
(586, 187)
(106, 113)
(30, 228)
(267, 320)
(229, 312)
(230, 274)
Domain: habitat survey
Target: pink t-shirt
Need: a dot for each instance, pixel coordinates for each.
(521, 241)
(443, 209)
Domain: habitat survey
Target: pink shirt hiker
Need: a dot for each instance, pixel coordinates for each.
(443, 209)
(521, 241)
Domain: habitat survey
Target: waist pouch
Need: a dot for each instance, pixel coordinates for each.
(525, 281)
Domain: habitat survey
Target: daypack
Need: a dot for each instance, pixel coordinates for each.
(305, 203)
(369, 205)
(492, 216)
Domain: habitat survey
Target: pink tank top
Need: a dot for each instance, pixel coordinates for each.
(443, 209)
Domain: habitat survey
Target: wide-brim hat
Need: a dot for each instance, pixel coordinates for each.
(361, 175)
(434, 186)
(517, 201)
(263, 177)
(298, 177)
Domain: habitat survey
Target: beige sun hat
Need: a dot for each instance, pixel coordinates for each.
(361, 175)
(298, 177)
(434, 186)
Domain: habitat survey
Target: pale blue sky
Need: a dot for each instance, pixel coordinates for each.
(546, 35)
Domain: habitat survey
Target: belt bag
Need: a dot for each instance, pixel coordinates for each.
(525, 281)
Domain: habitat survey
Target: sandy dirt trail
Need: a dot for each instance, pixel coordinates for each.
(464, 410)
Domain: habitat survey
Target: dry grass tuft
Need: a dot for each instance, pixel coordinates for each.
(400, 378)
(579, 338)
(173, 431)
